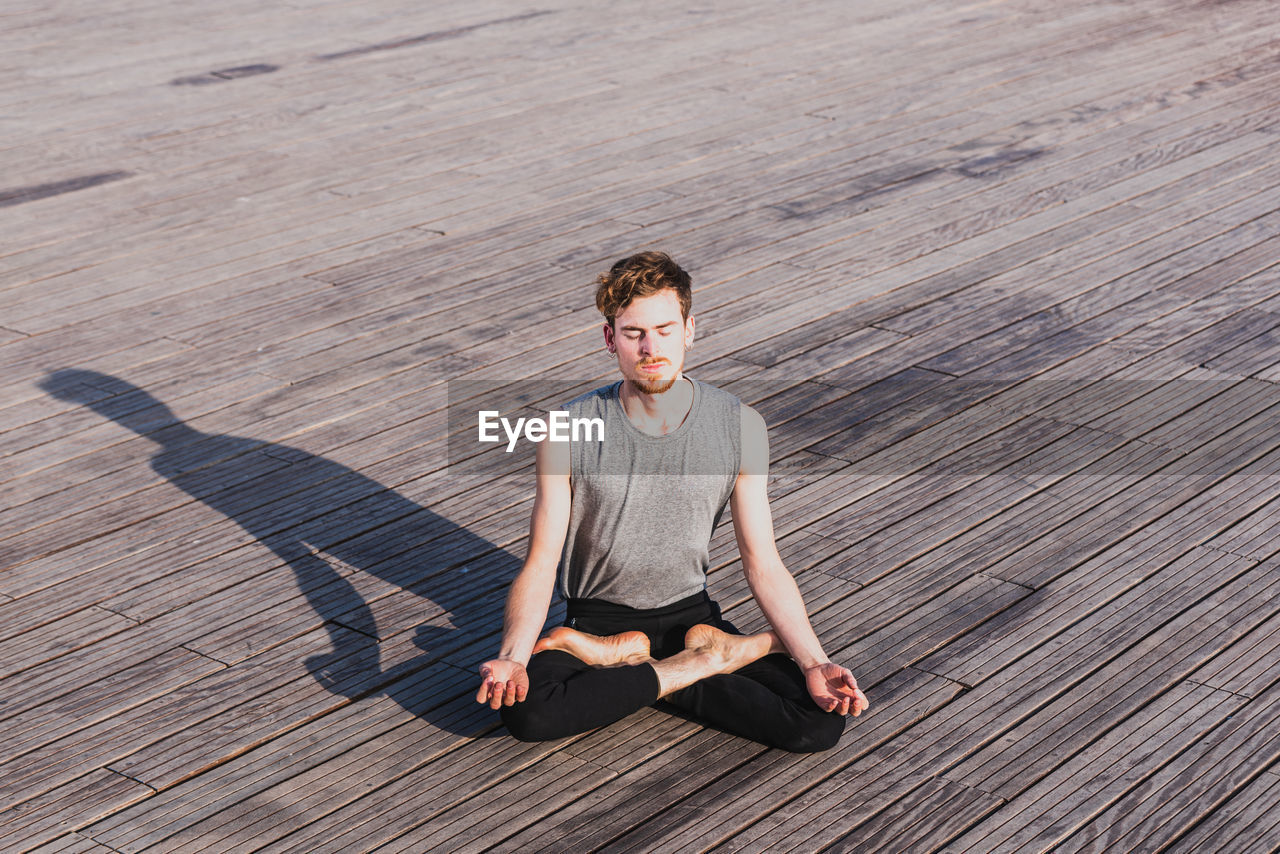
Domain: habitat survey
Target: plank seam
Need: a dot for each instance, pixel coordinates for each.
(133, 620)
(1203, 684)
(338, 622)
(982, 573)
(1230, 551)
(153, 789)
(204, 655)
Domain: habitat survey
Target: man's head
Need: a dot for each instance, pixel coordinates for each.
(646, 301)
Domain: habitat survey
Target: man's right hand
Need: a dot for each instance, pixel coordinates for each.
(505, 683)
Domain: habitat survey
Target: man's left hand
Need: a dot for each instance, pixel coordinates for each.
(834, 689)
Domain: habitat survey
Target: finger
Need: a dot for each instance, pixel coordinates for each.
(850, 681)
(486, 677)
(495, 695)
(522, 692)
(862, 701)
(509, 696)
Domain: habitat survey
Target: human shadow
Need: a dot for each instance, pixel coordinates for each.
(328, 523)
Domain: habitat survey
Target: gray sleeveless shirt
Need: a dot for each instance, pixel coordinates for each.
(644, 507)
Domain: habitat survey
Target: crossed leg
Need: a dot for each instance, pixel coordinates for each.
(708, 652)
(740, 684)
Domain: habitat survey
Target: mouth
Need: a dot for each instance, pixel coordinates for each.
(652, 369)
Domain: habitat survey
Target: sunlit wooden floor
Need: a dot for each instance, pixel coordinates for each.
(1001, 276)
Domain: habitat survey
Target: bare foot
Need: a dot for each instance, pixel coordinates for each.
(731, 652)
(625, 648)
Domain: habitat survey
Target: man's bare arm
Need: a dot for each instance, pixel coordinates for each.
(505, 679)
(832, 687)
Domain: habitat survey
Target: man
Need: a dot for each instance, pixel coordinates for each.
(628, 521)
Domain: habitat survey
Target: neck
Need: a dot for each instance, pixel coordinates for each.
(658, 414)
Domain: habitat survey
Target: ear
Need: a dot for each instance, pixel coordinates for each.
(688, 332)
(608, 339)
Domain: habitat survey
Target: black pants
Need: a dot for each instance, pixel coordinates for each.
(766, 701)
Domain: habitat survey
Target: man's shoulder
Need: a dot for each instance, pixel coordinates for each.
(715, 393)
(720, 404)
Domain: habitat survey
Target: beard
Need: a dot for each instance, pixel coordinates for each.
(654, 386)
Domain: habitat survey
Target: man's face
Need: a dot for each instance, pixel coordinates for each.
(650, 337)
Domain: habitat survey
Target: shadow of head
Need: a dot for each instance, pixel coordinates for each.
(112, 398)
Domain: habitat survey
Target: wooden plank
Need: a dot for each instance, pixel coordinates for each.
(976, 716)
(66, 747)
(811, 559)
(32, 708)
(1249, 666)
(51, 815)
(222, 486)
(1251, 537)
(732, 800)
(400, 805)
(1193, 786)
(81, 628)
(1252, 357)
(943, 338)
(1117, 320)
(879, 788)
(1223, 336)
(215, 728)
(1058, 250)
(1088, 590)
(416, 705)
(1167, 507)
(1035, 746)
(926, 817)
(72, 843)
(1210, 309)
(623, 746)
(543, 790)
(916, 633)
(177, 311)
(1171, 163)
(311, 799)
(923, 132)
(1156, 243)
(1243, 823)
(1042, 817)
(930, 192)
(1235, 404)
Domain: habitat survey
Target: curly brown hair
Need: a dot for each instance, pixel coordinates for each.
(641, 275)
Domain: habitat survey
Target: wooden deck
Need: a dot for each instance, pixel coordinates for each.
(1001, 276)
